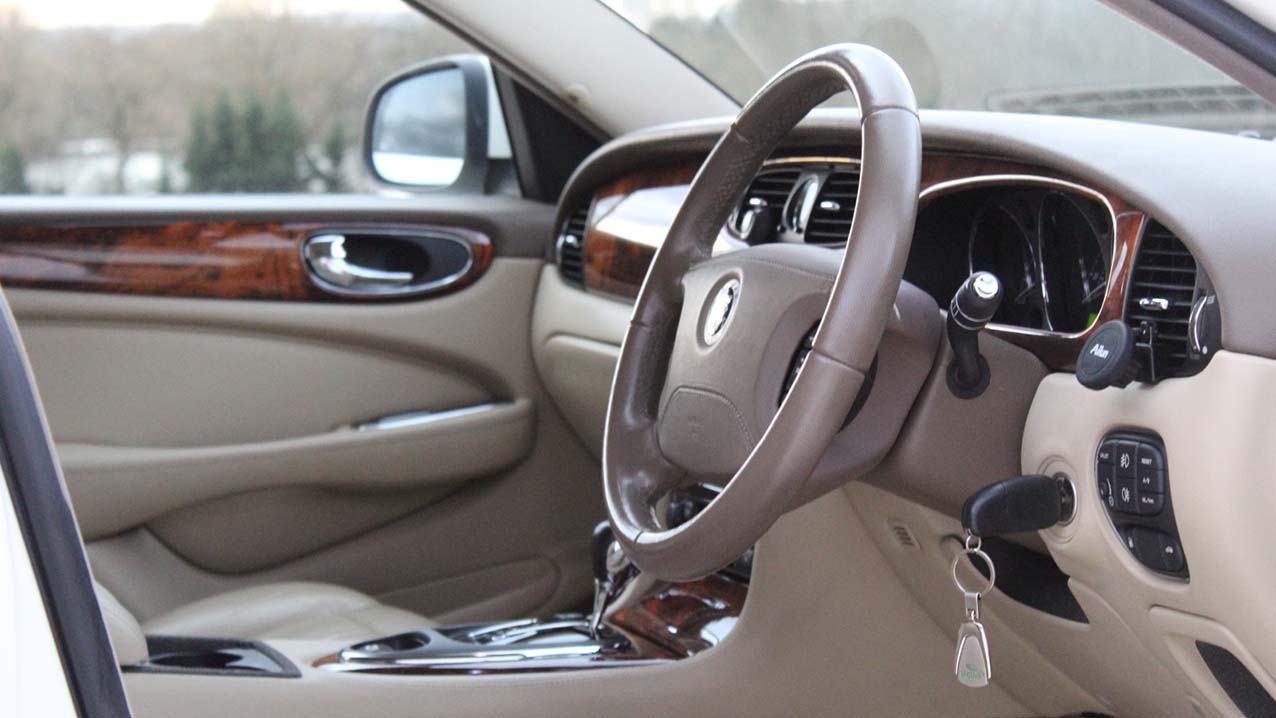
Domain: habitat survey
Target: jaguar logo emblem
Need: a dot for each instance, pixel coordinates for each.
(720, 310)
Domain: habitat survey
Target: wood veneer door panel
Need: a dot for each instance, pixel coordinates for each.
(219, 259)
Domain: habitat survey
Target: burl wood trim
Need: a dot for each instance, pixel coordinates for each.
(216, 260)
(617, 265)
(672, 616)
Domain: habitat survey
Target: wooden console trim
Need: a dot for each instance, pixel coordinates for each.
(672, 617)
(207, 259)
(616, 265)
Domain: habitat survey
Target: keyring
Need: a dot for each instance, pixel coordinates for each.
(992, 570)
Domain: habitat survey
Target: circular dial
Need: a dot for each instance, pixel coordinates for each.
(1052, 251)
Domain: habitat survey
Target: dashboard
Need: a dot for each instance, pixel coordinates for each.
(1064, 250)
(1085, 223)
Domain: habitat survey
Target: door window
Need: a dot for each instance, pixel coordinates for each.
(198, 96)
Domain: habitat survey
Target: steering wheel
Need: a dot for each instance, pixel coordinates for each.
(690, 399)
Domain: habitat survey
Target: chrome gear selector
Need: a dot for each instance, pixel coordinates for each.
(612, 572)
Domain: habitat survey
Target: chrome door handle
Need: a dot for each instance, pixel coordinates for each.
(327, 257)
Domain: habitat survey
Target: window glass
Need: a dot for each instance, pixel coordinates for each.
(145, 97)
(1058, 57)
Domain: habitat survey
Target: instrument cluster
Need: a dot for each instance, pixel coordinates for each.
(1050, 244)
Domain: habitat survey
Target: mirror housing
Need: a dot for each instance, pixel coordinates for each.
(427, 126)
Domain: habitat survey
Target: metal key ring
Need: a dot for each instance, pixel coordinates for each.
(992, 570)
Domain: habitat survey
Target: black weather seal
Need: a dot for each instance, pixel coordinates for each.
(53, 538)
(1238, 31)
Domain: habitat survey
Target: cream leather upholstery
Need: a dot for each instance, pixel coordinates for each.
(297, 610)
(126, 635)
(294, 610)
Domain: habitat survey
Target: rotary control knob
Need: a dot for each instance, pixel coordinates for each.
(1107, 359)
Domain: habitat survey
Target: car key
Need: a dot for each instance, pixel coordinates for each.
(972, 665)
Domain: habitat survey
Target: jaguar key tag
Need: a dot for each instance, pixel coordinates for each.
(973, 668)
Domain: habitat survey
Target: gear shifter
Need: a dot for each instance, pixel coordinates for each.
(973, 306)
(612, 572)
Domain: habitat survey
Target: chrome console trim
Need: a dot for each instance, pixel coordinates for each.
(528, 644)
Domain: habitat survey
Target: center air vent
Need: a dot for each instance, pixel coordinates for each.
(1163, 290)
(757, 219)
(771, 188)
(570, 246)
(830, 221)
(796, 201)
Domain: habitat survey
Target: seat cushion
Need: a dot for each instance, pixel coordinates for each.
(295, 610)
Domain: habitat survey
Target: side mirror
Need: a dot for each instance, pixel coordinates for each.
(427, 127)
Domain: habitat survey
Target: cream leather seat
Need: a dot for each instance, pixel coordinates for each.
(289, 611)
(295, 610)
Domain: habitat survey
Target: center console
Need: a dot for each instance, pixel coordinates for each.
(525, 645)
(647, 622)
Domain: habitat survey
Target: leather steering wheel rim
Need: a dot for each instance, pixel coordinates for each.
(668, 321)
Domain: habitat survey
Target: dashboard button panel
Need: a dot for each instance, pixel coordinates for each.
(1127, 498)
(1105, 453)
(1124, 456)
(1132, 474)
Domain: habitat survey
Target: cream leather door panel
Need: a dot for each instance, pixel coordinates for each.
(121, 487)
(405, 449)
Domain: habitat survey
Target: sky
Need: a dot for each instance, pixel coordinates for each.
(51, 14)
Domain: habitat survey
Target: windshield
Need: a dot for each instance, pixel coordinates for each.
(1059, 57)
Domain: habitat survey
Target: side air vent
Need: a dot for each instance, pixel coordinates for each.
(570, 246)
(1159, 304)
(830, 221)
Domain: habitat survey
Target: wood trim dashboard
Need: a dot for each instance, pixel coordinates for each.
(208, 259)
(615, 262)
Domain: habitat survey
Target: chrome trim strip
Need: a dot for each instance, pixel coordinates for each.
(418, 418)
(949, 186)
(811, 160)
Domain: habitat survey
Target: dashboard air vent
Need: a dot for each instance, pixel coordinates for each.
(757, 219)
(570, 246)
(771, 188)
(830, 220)
(1159, 304)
